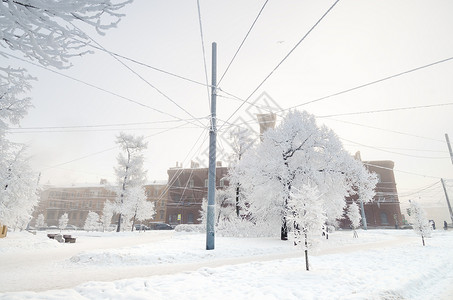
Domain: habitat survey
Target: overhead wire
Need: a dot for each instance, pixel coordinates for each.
(373, 82)
(204, 54)
(92, 85)
(393, 152)
(143, 79)
(386, 110)
(388, 130)
(243, 41)
(284, 59)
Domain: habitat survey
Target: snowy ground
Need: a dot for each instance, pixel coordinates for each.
(380, 264)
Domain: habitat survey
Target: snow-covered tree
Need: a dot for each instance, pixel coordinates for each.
(63, 221)
(295, 154)
(224, 208)
(306, 218)
(40, 221)
(130, 176)
(46, 30)
(241, 140)
(107, 214)
(353, 214)
(18, 184)
(141, 208)
(420, 223)
(92, 222)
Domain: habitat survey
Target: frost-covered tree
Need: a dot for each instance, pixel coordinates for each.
(224, 208)
(130, 176)
(420, 223)
(63, 221)
(241, 140)
(40, 221)
(353, 214)
(18, 185)
(306, 218)
(107, 214)
(295, 154)
(44, 31)
(141, 208)
(92, 222)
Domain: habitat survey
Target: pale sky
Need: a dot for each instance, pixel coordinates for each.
(357, 43)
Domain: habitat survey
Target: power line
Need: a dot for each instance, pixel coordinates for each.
(99, 125)
(386, 110)
(388, 130)
(396, 170)
(243, 41)
(283, 60)
(376, 148)
(204, 54)
(147, 65)
(93, 86)
(373, 82)
(143, 79)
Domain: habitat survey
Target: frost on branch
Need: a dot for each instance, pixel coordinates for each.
(44, 29)
(296, 154)
(18, 184)
(353, 214)
(130, 198)
(13, 106)
(420, 223)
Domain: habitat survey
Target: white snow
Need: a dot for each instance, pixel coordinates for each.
(380, 264)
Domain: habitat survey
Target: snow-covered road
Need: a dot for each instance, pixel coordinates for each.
(100, 257)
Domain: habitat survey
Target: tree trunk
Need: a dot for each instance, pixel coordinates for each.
(237, 200)
(306, 253)
(119, 223)
(423, 240)
(284, 230)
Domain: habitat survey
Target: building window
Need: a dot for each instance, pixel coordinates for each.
(191, 183)
(161, 214)
(190, 218)
(384, 219)
(222, 182)
(206, 182)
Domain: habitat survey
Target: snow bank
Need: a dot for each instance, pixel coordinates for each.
(379, 264)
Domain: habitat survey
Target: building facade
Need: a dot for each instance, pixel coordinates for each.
(77, 202)
(186, 190)
(384, 210)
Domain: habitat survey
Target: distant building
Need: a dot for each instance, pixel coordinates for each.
(75, 201)
(157, 192)
(78, 201)
(186, 190)
(384, 210)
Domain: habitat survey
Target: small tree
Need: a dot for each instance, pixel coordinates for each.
(92, 221)
(420, 223)
(130, 176)
(63, 221)
(107, 214)
(39, 221)
(353, 215)
(307, 217)
(141, 208)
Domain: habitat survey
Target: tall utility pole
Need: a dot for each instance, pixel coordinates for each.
(448, 201)
(449, 147)
(210, 231)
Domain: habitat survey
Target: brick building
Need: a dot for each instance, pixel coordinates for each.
(384, 210)
(78, 201)
(186, 190)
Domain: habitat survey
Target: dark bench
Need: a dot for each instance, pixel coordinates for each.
(67, 237)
